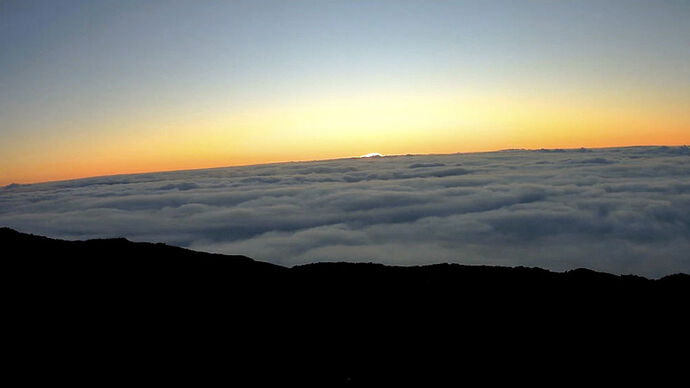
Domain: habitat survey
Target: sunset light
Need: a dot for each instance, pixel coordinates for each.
(221, 84)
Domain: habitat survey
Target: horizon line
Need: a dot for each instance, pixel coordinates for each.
(14, 184)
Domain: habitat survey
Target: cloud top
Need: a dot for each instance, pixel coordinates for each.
(622, 210)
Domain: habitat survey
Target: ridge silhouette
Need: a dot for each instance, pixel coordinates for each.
(82, 310)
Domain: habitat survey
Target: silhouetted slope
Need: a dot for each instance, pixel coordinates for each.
(79, 309)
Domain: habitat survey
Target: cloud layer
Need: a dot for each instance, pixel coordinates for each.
(622, 210)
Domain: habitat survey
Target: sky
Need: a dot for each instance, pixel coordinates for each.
(618, 210)
(90, 88)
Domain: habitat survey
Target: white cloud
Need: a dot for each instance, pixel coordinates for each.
(623, 210)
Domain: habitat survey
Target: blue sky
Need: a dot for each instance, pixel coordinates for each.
(71, 69)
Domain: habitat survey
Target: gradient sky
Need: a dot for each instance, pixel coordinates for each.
(103, 87)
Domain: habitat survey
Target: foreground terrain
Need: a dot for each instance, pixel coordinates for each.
(115, 310)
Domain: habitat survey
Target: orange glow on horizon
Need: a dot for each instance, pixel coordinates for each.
(349, 126)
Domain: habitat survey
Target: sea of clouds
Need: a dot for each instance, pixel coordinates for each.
(620, 210)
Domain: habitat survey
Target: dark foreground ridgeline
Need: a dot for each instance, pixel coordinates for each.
(117, 311)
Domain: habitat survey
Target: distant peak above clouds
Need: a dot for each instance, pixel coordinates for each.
(372, 155)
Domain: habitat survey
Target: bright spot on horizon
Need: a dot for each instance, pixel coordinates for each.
(372, 155)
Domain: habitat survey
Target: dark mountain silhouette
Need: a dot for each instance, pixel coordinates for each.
(118, 311)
